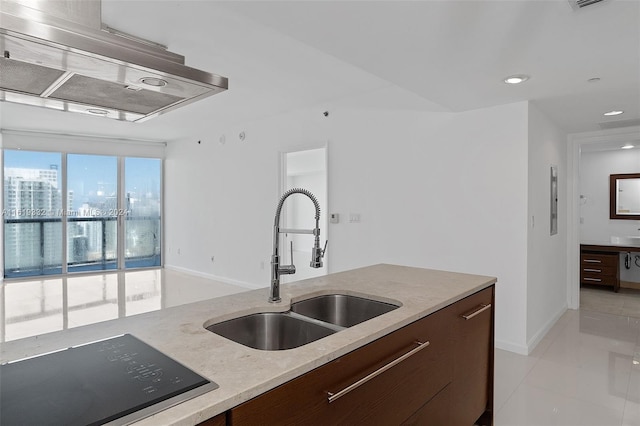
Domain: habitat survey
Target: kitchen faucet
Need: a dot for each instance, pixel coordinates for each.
(317, 253)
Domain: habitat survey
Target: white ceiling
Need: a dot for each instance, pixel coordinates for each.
(456, 53)
(420, 55)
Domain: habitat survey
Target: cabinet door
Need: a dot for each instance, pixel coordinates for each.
(388, 398)
(472, 385)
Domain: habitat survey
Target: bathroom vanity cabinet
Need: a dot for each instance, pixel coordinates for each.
(437, 370)
(599, 265)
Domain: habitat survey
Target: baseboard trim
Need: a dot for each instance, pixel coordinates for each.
(533, 342)
(224, 280)
(511, 347)
(537, 338)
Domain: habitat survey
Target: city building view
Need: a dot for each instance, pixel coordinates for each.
(80, 210)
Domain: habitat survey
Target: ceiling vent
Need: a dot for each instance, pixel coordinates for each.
(579, 4)
(57, 54)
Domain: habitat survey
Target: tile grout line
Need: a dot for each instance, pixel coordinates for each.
(530, 369)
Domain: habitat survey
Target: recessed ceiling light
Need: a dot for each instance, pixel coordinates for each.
(627, 146)
(516, 79)
(152, 81)
(96, 111)
(614, 112)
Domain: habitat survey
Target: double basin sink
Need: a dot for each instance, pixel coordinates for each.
(307, 321)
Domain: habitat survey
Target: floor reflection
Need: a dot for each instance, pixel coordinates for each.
(602, 299)
(585, 371)
(35, 307)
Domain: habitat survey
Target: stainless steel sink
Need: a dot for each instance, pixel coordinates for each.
(270, 331)
(308, 321)
(341, 309)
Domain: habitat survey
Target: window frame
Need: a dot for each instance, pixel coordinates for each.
(87, 145)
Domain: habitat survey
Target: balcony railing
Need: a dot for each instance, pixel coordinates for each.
(33, 246)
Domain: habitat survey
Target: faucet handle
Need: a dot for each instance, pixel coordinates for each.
(317, 254)
(288, 269)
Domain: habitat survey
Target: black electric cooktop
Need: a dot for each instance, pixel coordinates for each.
(114, 381)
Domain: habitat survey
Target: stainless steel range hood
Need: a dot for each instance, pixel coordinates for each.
(57, 54)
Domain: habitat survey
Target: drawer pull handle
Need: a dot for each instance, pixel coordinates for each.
(592, 261)
(333, 396)
(476, 311)
(592, 270)
(592, 279)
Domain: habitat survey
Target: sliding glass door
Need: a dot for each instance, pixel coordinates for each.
(96, 212)
(142, 221)
(92, 219)
(32, 213)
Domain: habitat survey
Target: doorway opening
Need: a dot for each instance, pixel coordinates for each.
(592, 158)
(307, 169)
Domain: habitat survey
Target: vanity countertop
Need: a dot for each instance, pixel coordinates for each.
(243, 373)
(614, 246)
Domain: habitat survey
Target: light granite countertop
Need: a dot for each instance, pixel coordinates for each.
(242, 372)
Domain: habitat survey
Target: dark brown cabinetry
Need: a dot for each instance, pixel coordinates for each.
(219, 420)
(435, 412)
(437, 371)
(472, 385)
(599, 268)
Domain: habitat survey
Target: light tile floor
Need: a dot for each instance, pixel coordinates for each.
(38, 306)
(586, 371)
(626, 302)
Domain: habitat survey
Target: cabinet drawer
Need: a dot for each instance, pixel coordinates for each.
(598, 280)
(435, 412)
(406, 386)
(473, 357)
(598, 259)
(599, 271)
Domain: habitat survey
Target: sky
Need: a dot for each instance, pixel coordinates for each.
(89, 176)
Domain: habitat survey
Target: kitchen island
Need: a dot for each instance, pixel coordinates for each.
(243, 373)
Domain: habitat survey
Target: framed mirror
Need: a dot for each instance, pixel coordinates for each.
(624, 196)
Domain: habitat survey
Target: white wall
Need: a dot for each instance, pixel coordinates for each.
(595, 168)
(221, 198)
(438, 190)
(546, 254)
